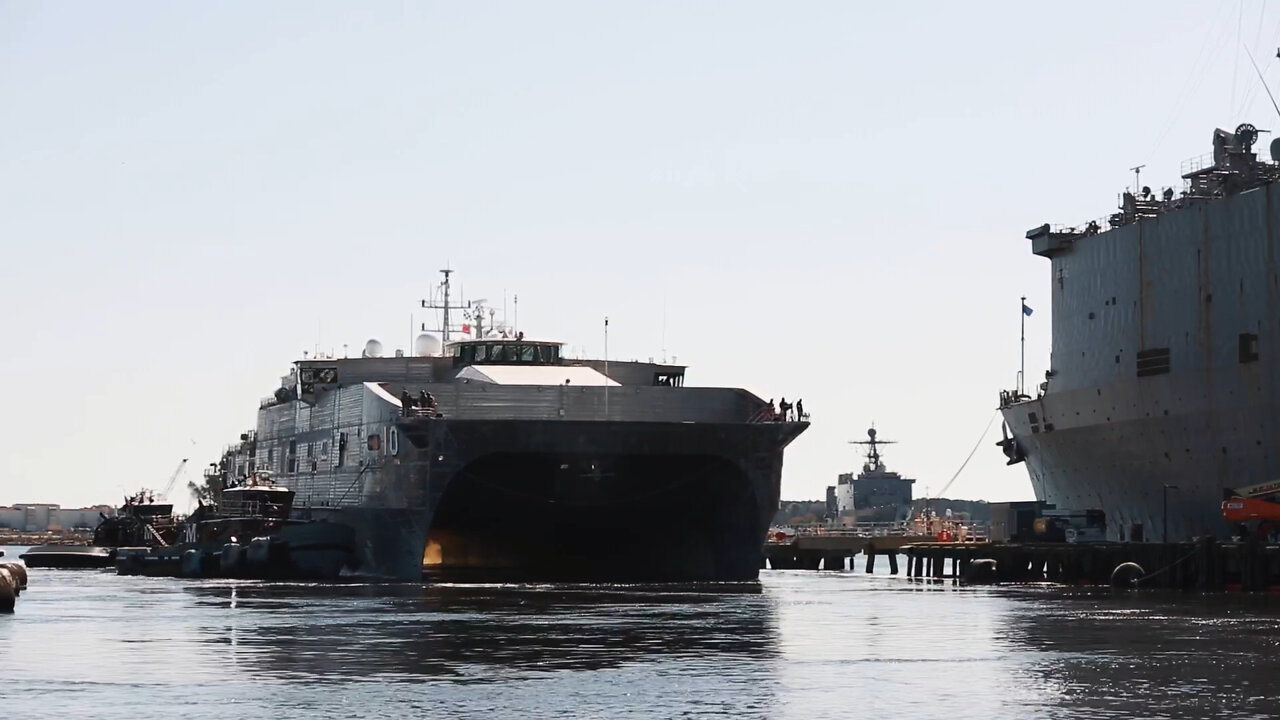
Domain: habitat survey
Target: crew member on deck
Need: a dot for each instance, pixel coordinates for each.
(427, 401)
(785, 407)
(406, 402)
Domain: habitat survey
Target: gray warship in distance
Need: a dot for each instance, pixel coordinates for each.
(520, 464)
(1163, 388)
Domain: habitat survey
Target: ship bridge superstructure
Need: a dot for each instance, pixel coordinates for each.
(1231, 168)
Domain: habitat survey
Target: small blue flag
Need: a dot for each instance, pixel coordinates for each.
(1026, 310)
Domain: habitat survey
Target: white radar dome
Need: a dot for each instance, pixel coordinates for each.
(373, 349)
(427, 344)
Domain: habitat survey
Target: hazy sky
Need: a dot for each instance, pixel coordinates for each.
(830, 196)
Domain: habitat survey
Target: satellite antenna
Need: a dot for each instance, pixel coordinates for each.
(427, 345)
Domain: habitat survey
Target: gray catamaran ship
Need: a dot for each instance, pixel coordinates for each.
(493, 456)
(1162, 392)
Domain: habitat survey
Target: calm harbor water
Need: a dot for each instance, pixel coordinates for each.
(797, 645)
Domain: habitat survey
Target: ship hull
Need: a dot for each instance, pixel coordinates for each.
(574, 501)
(1123, 463)
(1162, 391)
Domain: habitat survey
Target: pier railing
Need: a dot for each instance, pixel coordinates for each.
(927, 532)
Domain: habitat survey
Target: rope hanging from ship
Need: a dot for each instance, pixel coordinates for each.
(976, 445)
(1167, 568)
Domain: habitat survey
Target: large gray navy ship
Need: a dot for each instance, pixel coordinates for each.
(491, 455)
(875, 495)
(1162, 391)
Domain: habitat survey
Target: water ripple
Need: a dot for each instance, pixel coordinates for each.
(796, 645)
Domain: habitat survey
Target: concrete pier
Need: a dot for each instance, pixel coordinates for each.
(1205, 565)
(834, 551)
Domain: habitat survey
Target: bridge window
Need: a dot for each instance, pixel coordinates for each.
(505, 352)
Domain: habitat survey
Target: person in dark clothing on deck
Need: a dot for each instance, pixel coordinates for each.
(427, 402)
(406, 402)
(800, 409)
(785, 407)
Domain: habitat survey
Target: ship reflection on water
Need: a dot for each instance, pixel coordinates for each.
(796, 645)
(486, 633)
(1153, 655)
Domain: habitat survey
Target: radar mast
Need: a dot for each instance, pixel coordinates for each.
(443, 304)
(873, 450)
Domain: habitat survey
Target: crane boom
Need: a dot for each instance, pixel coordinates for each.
(173, 478)
(1259, 490)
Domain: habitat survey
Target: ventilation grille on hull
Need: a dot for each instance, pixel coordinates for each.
(1153, 362)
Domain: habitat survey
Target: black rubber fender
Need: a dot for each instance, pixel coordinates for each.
(8, 591)
(981, 572)
(1127, 575)
(192, 563)
(19, 573)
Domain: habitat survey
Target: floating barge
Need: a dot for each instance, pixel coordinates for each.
(69, 557)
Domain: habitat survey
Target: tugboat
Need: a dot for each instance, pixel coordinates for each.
(141, 522)
(250, 533)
